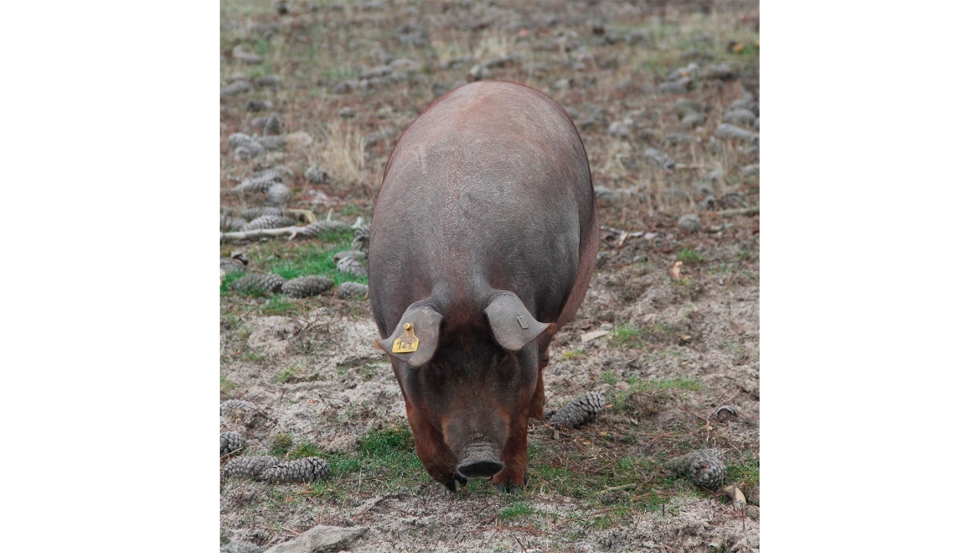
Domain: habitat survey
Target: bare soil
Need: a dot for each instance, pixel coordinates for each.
(675, 351)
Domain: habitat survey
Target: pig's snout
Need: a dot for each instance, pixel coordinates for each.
(479, 460)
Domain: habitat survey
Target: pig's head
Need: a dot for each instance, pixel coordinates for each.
(468, 388)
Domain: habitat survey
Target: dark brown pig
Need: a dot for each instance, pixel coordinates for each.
(483, 243)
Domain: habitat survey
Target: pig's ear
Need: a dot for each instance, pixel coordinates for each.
(417, 336)
(513, 326)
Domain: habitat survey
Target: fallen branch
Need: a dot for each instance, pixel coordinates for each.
(261, 233)
(308, 231)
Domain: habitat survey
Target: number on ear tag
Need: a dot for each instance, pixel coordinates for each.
(407, 342)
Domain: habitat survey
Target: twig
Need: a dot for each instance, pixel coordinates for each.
(498, 528)
(747, 211)
(524, 549)
(623, 487)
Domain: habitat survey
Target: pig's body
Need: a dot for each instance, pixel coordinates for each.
(484, 239)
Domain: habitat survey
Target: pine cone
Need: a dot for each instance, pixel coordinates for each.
(249, 467)
(273, 125)
(249, 151)
(306, 286)
(236, 87)
(278, 194)
(579, 411)
(271, 142)
(351, 290)
(233, 264)
(236, 404)
(307, 469)
(232, 443)
(705, 467)
(275, 173)
(256, 185)
(256, 212)
(358, 255)
(351, 266)
(258, 105)
(313, 229)
(362, 237)
(268, 81)
(732, 132)
(239, 139)
(231, 224)
(257, 282)
(269, 221)
(740, 116)
(317, 175)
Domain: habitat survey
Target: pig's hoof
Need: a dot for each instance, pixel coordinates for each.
(451, 484)
(511, 486)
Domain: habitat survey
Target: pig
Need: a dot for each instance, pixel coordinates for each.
(482, 245)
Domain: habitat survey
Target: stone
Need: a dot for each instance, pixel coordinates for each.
(240, 547)
(278, 194)
(690, 222)
(320, 539)
(657, 157)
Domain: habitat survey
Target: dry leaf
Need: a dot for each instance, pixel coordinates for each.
(738, 498)
(588, 336)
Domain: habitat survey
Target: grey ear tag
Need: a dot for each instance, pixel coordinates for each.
(512, 325)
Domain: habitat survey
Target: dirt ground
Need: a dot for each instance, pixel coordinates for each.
(664, 95)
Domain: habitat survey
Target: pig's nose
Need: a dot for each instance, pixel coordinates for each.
(476, 469)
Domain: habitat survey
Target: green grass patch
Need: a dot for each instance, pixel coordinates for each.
(573, 355)
(227, 385)
(281, 444)
(279, 305)
(316, 259)
(251, 356)
(306, 449)
(616, 487)
(228, 280)
(689, 256)
(628, 335)
(517, 510)
(638, 385)
(287, 375)
(746, 473)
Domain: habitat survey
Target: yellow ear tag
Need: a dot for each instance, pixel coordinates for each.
(407, 342)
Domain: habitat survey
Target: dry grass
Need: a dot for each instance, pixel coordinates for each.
(343, 157)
